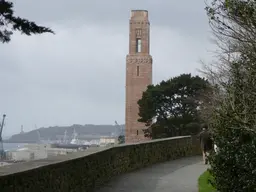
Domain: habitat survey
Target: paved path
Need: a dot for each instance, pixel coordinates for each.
(174, 176)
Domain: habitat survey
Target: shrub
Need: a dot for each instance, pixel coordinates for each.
(233, 120)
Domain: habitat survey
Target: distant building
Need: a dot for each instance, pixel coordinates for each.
(28, 153)
(37, 151)
(4, 164)
(23, 155)
(105, 141)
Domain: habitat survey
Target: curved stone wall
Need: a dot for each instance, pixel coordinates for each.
(84, 173)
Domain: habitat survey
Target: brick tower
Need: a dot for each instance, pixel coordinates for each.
(138, 73)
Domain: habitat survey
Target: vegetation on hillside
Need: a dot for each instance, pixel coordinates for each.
(233, 112)
(10, 23)
(174, 105)
(57, 132)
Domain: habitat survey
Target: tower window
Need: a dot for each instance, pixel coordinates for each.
(137, 132)
(138, 70)
(138, 33)
(138, 45)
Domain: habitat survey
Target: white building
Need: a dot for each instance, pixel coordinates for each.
(22, 155)
(108, 141)
(39, 150)
(59, 151)
(36, 152)
(4, 164)
(40, 154)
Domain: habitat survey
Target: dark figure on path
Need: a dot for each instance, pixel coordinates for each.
(206, 142)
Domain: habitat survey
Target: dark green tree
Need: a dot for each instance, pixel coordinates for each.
(121, 139)
(10, 23)
(174, 105)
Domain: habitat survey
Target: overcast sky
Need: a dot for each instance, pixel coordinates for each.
(78, 75)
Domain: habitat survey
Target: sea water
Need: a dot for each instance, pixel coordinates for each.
(13, 146)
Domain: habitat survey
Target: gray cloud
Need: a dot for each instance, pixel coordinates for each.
(176, 14)
(78, 75)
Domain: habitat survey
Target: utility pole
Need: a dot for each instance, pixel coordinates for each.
(1, 139)
(38, 134)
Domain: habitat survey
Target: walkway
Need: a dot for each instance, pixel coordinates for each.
(175, 176)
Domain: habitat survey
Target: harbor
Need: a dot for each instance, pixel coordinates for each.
(72, 144)
(25, 165)
(53, 150)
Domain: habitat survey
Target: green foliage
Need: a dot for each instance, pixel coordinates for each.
(7, 19)
(204, 182)
(234, 119)
(234, 133)
(121, 139)
(175, 106)
(235, 20)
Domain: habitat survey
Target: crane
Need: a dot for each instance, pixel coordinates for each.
(1, 138)
(65, 137)
(38, 135)
(121, 130)
(121, 137)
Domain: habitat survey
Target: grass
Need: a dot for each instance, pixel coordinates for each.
(203, 182)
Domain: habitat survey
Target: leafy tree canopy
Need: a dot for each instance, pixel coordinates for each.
(10, 23)
(121, 139)
(174, 104)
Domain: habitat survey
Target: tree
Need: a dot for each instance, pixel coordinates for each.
(121, 139)
(233, 121)
(174, 104)
(10, 23)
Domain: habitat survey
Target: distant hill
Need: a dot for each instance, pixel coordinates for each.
(56, 133)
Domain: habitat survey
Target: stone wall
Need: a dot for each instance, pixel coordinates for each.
(87, 172)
